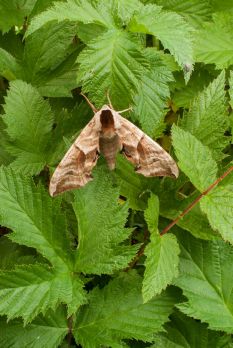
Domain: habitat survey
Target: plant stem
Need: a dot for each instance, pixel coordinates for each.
(174, 222)
(70, 327)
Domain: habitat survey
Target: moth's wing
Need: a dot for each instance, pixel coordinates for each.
(148, 156)
(74, 170)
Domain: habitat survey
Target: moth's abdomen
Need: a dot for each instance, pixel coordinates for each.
(109, 147)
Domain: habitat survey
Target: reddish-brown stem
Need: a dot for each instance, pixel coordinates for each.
(174, 222)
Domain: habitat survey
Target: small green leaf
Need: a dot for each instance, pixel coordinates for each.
(161, 264)
(195, 159)
(9, 67)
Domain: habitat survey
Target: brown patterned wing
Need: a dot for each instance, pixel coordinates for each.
(74, 170)
(148, 156)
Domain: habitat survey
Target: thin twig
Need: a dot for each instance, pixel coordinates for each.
(166, 229)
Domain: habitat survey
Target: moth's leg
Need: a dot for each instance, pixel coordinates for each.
(89, 103)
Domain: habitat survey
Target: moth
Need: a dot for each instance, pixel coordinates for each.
(108, 133)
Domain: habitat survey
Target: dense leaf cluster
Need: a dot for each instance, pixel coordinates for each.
(90, 268)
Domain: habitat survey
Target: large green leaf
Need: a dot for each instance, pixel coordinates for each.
(43, 61)
(29, 290)
(74, 11)
(46, 332)
(218, 205)
(29, 121)
(194, 11)
(13, 12)
(195, 159)
(101, 223)
(185, 332)
(112, 62)
(213, 42)
(34, 217)
(153, 93)
(206, 280)
(207, 117)
(170, 29)
(161, 264)
(13, 254)
(117, 311)
(231, 88)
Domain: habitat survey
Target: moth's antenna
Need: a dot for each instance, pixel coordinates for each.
(120, 112)
(110, 104)
(109, 101)
(89, 103)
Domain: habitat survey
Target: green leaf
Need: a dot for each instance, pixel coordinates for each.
(166, 26)
(34, 217)
(112, 62)
(13, 12)
(195, 159)
(45, 63)
(46, 332)
(213, 43)
(173, 204)
(117, 312)
(29, 121)
(185, 332)
(29, 290)
(9, 67)
(218, 205)
(161, 264)
(12, 254)
(153, 94)
(231, 88)
(196, 12)
(206, 280)
(74, 11)
(101, 230)
(207, 118)
(185, 93)
(132, 186)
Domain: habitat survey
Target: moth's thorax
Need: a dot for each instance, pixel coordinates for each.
(109, 142)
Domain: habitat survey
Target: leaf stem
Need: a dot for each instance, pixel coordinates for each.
(174, 222)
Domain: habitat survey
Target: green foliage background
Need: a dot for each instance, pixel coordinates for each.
(89, 268)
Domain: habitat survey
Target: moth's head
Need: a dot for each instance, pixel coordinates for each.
(108, 118)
